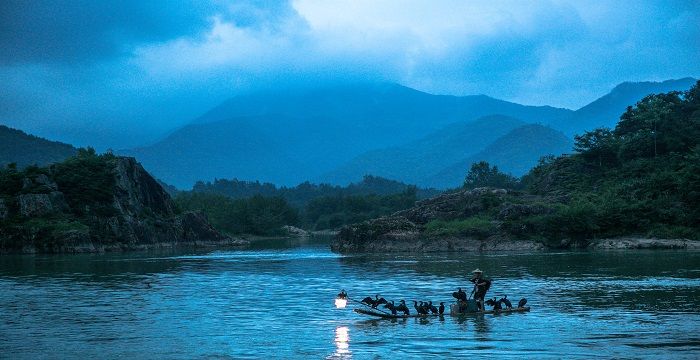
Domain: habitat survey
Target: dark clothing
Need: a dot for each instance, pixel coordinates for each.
(482, 284)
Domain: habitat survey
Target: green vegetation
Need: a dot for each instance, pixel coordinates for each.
(257, 215)
(641, 178)
(315, 207)
(482, 174)
(261, 215)
(302, 194)
(330, 212)
(87, 180)
(479, 227)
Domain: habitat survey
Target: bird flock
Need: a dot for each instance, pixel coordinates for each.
(427, 307)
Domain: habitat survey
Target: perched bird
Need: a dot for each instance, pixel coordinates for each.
(420, 308)
(441, 310)
(402, 307)
(373, 302)
(460, 295)
(495, 303)
(504, 300)
(522, 302)
(432, 307)
(390, 305)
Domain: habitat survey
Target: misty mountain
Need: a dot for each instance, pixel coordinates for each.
(23, 149)
(218, 149)
(342, 132)
(515, 153)
(291, 136)
(606, 110)
(416, 160)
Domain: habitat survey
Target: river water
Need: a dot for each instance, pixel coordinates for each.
(276, 301)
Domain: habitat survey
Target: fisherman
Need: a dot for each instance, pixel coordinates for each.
(481, 286)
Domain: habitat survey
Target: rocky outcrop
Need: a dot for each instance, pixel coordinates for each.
(405, 231)
(643, 243)
(295, 231)
(141, 216)
(33, 205)
(450, 206)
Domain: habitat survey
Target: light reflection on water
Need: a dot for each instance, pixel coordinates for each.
(342, 340)
(279, 303)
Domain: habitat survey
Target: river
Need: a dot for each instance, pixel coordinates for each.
(276, 301)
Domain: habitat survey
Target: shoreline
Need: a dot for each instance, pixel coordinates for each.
(403, 243)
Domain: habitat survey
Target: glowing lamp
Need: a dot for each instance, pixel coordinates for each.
(341, 300)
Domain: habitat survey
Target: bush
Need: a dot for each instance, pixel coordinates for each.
(476, 226)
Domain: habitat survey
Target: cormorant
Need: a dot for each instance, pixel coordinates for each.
(460, 295)
(441, 310)
(373, 302)
(504, 300)
(402, 307)
(391, 307)
(432, 307)
(522, 302)
(420, 308)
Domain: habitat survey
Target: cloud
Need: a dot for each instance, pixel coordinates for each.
(144, 67)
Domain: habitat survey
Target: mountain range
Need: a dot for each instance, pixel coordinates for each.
(340, 133)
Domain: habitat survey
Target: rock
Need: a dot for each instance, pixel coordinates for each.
(515, 211)
(39, 184)
(33, 205)
(142, 217)
(643, 243)
(137, 190)
(295, 231)
(358, 237)
(195, 227)
(450, 206)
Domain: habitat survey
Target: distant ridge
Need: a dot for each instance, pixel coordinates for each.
(605, 111)
(415, 161)
(514, 153)
(312, 131)
(24, 149)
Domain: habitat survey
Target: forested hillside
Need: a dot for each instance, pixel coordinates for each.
(23, 149)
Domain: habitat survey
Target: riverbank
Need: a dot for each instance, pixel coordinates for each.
(413, 243)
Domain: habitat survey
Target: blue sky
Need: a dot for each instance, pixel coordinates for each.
(121, 73)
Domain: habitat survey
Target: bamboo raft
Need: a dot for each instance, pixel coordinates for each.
(391, 316)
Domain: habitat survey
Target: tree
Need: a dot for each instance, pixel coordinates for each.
(482, 174)
(599, 144)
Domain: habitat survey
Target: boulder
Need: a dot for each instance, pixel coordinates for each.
(33, 205)
(295, 231)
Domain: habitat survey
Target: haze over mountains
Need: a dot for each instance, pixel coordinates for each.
(340, 133)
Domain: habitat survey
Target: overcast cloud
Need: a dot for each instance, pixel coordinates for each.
(118, 74)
